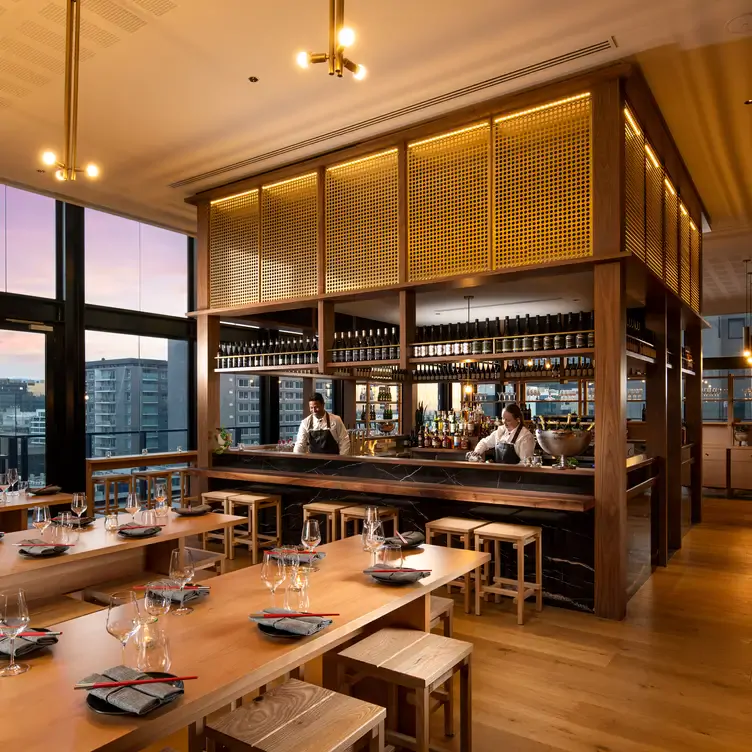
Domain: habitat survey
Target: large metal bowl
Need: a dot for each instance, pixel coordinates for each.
(564, 443)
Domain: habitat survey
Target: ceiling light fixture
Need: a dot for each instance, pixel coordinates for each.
(340, 37)
(66, 169)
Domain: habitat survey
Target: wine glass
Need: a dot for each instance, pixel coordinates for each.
(78, 505)
(4, 483)
(123, 617)
(157, 600)
(14, 618)
(272, 572)
(12, 480)
(132, 506)
(182, 570)
(373, 538)
(372, 515)
(160, 493)
(40, 518)
(310, 538)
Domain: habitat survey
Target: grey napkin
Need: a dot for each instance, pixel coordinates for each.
(136, 531)
(305, 559)
(26, 645)
(141, 699)
(191, 511)
(186, 596)
(405, 575)
(304, 625)
(414, 538)
(46, 549)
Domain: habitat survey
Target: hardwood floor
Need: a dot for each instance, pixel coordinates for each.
(675, 675)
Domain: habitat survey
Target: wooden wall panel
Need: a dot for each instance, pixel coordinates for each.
(634, 186)
(671, 236)
(685, 261)
(653, 212)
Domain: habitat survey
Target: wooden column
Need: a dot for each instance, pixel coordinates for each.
(326, 332)
(610, 441)
(656, 408)
(693, 417)
(673, 428)
(406, 338)
(402, 211)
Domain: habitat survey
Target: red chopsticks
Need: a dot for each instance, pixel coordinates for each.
(45, 545)
(138, 527)
(405, 570)
(132, 682)
(39, 634)
(167, 587)
(284, 616)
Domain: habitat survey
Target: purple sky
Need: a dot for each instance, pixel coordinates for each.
(128, 265)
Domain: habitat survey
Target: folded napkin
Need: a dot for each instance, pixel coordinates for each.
(176, 596)
(414, 538)
(137, 531)
(140, 699)
(76, 521)
(304, 558)
(26, 645)
(193, 511)
(305, 626)
(405, 575)
(45, 490)
(46, 549)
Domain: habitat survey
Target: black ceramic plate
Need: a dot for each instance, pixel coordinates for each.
(84, 521)
(59, 551)
(104, 707)
(385, 579)
(195, 512)
(37, 647)
(137, 535)
(409, 546)
(271, 631)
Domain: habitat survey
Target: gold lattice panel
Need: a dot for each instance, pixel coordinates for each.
(233, 250)
(362, 223)
(695, 241)
(671, 236)
(653, 213)
(543, 184)
(447, 200)
(634, 186)
(684, 254)
(289, 236)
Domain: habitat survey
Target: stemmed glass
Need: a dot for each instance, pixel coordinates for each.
(182, 570)
(373, 538)
(12, 480)
(78, 506)
(123, 617)
(310, 538)
(40, 518)
(4, 483)
(160, 492)
(14, 618)
(157, 601)
(132, 506)
(272, 572)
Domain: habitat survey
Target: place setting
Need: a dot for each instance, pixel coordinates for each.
(78, 507)
(147, 525)
(53, 540)
(387, 560)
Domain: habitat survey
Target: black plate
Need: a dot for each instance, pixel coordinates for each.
(104, 707)
(271, 631)
(43, 556)
(33, 652)
(138, 537)
(186, 513)
(85, 521)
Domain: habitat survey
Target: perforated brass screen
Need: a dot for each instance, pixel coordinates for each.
(684, 255)
(362, 223)
(695, 241)
(233, 251)
(634, 187)
(289, 231)
(671, 238)
(447, 189)
(654, 216)
(543, 202)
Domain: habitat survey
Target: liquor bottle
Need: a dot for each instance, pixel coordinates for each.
(536, 340)
(581, 338)
(477, 345)
(487, 343)
(506, 343)
(548, 340)
(394, 345)
(527, 341)
(559, 333)
(591, 332)
(517, 341)
(348, 351)
(570, 337)
(363, 346)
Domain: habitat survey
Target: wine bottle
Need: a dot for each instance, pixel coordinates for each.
(348, 352)
(394, 345)
(431, 341)
(591, 333)
(548, 340)
(517, 341)
(464, 332)
(454, 335)
(477, 345)
(570, 337)
(559, 333)
(369, 345)
(439, 340)
(581, 338)
(535, 334)
(487, 342)
(527, 341)
(506, 343)
(363, 346)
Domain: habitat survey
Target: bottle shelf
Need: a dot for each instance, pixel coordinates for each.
(293, 370)
(502, 356)
(377, 402)
(363, 364)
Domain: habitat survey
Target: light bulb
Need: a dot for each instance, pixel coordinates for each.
(303, 59)
(548, 364)
(346, 36)
(530, 362)
(360, 73)
(49, 158)
(60, 175)
(468, 389)
(747, 352)
(92, 170)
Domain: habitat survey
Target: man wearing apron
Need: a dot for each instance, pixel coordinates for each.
(322, 432)
(511, 443)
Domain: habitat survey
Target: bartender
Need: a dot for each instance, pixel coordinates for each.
(321, 432)
(511, 442)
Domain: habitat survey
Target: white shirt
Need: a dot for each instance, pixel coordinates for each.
(312, 423)
(524, 446)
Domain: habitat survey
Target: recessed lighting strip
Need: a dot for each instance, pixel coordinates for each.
(542, 107)
(289, 180)
(668, 185)
(362, 159)
(651, 156)
(236, 195)
(633, 125)
(447, 135)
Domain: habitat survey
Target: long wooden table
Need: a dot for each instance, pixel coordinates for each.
(99, 555)
(14, 512)
(217, 643)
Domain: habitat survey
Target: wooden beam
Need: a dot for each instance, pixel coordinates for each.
(673, 426)
(207, 387)
(326, 332)
(203, 276)
(321, 231)
(402, 216)
(693, 418)
(610, 426)
(407, 326)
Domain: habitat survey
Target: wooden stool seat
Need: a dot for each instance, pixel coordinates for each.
(357, 514)
(253, 538)
(463, 529)
(110, 480)
(297, 716)
(441, 608)
(330, 510)
(421, 662)
(518, 589)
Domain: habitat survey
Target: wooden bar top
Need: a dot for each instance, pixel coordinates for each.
(27, 501)
(136, 460)
(218, 643)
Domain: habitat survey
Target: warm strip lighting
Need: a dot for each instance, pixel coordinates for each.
(289, 180)
(542, 107)
(692, 224)
(631, 121)
(447, 135)
(683, 210)
(235, 195)
(362, 159)
(652, 156)
(668, 185)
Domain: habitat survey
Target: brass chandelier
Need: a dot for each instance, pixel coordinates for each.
(340, 37)
(67, 170)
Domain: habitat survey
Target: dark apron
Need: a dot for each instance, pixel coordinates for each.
(321, 441)
(505, 452)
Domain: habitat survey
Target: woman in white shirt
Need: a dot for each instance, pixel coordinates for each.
(511, 443)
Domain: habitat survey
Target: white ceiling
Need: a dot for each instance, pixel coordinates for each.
(165, 96)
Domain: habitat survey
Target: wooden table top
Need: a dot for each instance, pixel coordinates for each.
(26, 501)
(216, 642)
(96, 541)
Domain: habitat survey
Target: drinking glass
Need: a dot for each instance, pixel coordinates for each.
(373, 538)
(132, 505)
(272, 572)
(161, 509)
(389, 556)
(310, 538)
(296, 595)
(14, 618)
(157, 601)
(152, 648)
(160, 492)
(12, 480)
(78, 505)
(40, 517)
(4, 483)
(23, 487)
(148, 517)
(291, 561)
(123, 617)
(182, 571)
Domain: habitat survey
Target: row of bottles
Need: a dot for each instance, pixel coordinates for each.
(459, 372)
(368, 412)
(519, 334)
(290, 351)
(533, 368)
(572, 422)
(688, 362)
(354, 347)
(639, 337)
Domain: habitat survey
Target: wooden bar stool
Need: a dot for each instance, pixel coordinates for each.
(357, 516)
(150, 477)
(519, 536)
(330, 511)
(184, 486)
(108, 481)
(213, 499)
(462, 529)
(255, 540)
(297, 715)
(420, 662)
(442, 613)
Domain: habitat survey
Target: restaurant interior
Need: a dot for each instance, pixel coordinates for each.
(377, 375)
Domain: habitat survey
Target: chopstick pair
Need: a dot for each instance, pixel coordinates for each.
(404, 569)
(39, 634)
(139, 527)
(284, 616)
(45, 545)
(167, 587)
(132, 682)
